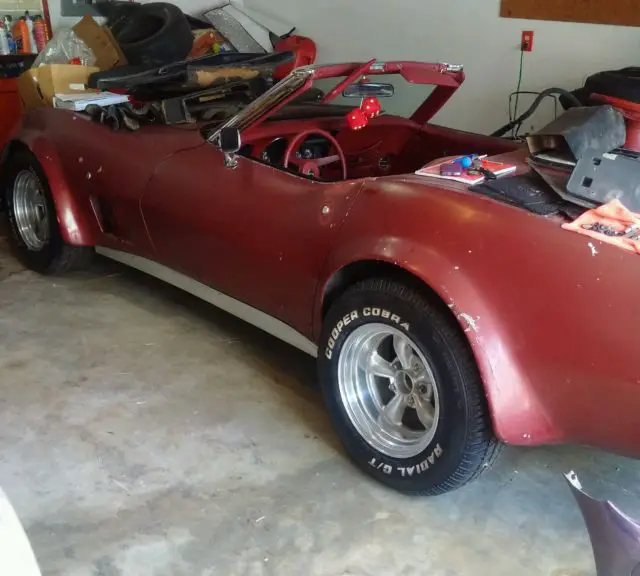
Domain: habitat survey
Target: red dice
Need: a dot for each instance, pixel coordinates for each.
(371, 107)
(356, 119)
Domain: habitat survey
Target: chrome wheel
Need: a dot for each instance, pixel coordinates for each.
(388, 390)
(30, 210)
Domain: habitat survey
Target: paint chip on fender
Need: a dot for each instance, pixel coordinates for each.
(472, 323)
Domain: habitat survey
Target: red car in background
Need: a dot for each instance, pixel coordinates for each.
(445, 322)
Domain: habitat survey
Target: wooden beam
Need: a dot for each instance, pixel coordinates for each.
(616, 12)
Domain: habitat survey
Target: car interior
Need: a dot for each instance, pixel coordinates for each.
(388, 145)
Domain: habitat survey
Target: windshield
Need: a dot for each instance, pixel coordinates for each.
(420, 89)
(406, 99)
(270, 100)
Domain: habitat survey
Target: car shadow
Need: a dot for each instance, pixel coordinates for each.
(295, 372)
(292, 370)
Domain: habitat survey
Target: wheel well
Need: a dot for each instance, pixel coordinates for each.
(9, 149)
(364, 269)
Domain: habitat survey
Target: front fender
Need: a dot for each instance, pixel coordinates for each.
(484, 260)
(517, 415)
(74, 226)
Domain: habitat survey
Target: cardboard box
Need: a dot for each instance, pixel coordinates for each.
(37, 86)
(102, 43)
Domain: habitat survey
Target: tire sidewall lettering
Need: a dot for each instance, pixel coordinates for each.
(406, 471)
(366, 312)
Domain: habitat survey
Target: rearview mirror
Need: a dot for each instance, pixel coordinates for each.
(230, 141)
(367, 89)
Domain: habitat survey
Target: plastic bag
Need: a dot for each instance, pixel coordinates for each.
(611, 223)
(66, 48)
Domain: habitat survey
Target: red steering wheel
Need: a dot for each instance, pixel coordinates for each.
(312, 167)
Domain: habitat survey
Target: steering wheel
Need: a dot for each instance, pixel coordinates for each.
(312, 167)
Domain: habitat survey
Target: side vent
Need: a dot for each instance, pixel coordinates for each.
(102, 214)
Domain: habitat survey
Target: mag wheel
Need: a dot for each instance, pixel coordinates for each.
(35, 234)
(403, 390)
(393, 404)
(30, 210)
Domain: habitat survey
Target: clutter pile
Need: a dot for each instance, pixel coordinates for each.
(585, 167)
(153, 63)
(585, 158)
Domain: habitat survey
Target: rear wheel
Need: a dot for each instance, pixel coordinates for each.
(403, 390)
(35, 233)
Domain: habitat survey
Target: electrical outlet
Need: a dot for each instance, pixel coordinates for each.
(526, 44)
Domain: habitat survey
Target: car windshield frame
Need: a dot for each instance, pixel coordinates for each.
(446, 78)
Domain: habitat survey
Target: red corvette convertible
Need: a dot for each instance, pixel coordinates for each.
(445, 323)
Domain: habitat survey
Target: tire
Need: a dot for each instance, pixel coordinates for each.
(623, 84)
(459, 444)
(46, 252)
(154, 34)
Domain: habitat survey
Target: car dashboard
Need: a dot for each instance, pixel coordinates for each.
(272, 151)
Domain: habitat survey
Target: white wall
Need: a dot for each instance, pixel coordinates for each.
(467, 32)
(57, 21)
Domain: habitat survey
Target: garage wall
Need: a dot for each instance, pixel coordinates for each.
(467, 32)
(57, 21)
(16, 8)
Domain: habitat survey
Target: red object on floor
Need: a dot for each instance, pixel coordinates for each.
(10, 108)
(631, 112)
(305, 53)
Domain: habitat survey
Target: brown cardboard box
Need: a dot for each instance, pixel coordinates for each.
(38, 85)
(102, 43)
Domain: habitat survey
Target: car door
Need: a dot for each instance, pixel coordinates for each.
(108, 170)
(254, 232)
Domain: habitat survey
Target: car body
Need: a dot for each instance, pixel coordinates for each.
(549, 316)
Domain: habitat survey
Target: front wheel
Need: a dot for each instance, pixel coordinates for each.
(403, 389)
(35, 232)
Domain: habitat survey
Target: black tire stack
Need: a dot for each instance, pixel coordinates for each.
(149, 34)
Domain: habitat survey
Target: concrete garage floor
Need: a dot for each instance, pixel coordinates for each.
(145, 433)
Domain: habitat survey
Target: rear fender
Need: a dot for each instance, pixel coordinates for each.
(517, 415)
(74, 226)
